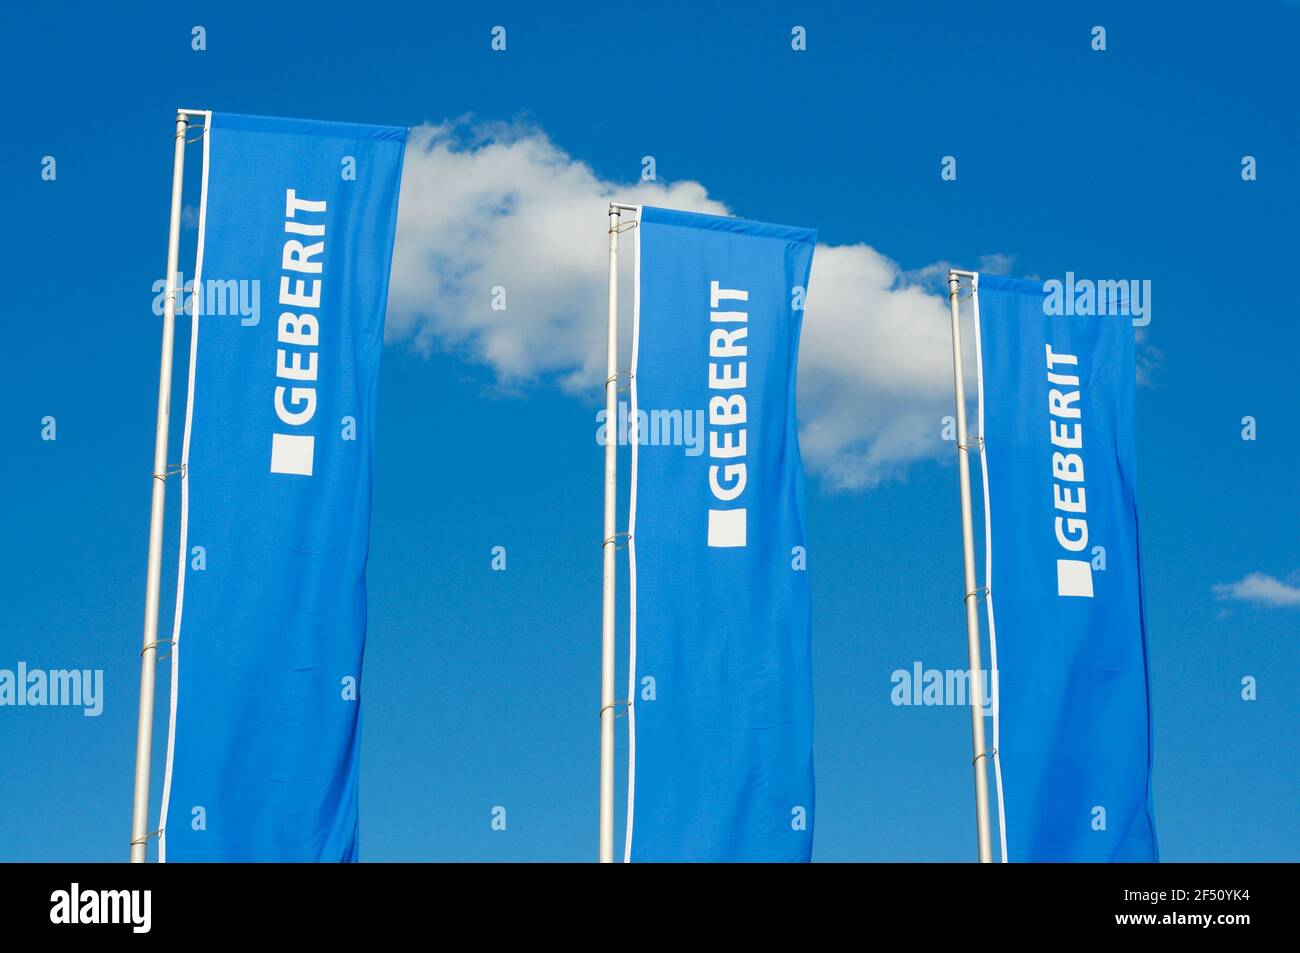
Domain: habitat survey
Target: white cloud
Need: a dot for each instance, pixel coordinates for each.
(875, 368)
(502, 205)
(1260, 589)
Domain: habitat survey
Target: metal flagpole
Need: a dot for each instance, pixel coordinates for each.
(609, 548)
(980, 759)
(149, 651)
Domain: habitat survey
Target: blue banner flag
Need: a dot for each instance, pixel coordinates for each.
(720, 715)
(296, 227)
(1072, 725)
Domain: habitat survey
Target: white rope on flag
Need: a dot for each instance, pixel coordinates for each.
(988, 571)
(631, 541)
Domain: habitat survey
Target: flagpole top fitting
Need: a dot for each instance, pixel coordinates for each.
(955, 275)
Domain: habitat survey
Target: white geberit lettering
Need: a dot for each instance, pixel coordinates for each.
(728, 372)
(298, 333)
(1073, 575)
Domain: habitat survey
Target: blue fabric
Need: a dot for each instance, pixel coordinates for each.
(1075, 727)
(273, 626)
(723, 757)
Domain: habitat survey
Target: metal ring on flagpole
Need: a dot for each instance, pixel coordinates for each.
(622, 227)
(188, 140)
(614, 539)
(616, 702)
(180, 468)
(613, 379)
(155, 643)
(977, 445)
(984, 754)
(979, 593)
(145, 838)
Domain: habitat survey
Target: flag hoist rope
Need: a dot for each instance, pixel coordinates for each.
(140, 833)
(972, 594)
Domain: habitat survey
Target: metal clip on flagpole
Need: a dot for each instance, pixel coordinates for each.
(614, 380)
(140, 834)
(614, 704)
(615, 538)
(177, 470)
(980, 759)
(143, 840)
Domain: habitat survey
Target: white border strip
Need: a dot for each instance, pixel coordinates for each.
(988, 572)
(196, 299)
(611, 427)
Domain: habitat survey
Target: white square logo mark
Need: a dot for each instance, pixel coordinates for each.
(727, 528)
(1073, 577)
(292, 453)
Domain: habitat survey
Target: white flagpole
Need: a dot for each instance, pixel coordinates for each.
(609, 548)
(971, 599)
(149, 651)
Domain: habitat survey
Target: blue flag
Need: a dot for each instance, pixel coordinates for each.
(295, 239)
(720, 721)
(1072, 724)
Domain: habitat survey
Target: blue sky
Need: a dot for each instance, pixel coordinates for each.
(481, 687)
